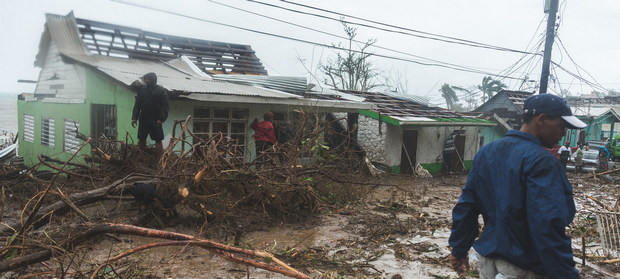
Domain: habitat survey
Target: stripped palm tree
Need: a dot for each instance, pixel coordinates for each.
(449, 94)
(489, 87)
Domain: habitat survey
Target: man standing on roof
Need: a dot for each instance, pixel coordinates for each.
(264, 133)
(151, 109)
(524, 197)
(565, 153)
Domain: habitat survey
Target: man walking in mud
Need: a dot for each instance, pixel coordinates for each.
(151, 110)
(524, 197)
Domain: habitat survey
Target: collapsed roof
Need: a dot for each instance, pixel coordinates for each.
(127, 42)
(408, 111)
(181, 64)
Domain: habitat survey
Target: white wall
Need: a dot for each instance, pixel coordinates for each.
(386, 147)
(65, 80)
(431, 141)
(393, 145)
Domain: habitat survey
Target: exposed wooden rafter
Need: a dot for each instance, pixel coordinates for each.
(210, 56)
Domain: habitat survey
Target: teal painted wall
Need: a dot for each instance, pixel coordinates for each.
(102, 90)
(593, 130)
(99, 90)
(59, 112)
(492, 133)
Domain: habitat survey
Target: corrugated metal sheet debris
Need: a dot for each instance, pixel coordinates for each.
(287, 84)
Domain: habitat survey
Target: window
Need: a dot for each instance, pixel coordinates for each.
(103, 121)
(231, 122)
(72, 143)
(47, 131)
(28, 128)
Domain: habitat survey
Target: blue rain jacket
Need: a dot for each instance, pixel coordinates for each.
(526, 202)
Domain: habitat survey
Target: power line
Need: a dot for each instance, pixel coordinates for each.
(535, 48)
(577, 67)
(457, 68)
(578, 77)
(338, 36)
(442, 38)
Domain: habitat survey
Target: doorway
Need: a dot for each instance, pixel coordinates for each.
(408, 151)
(458, 157)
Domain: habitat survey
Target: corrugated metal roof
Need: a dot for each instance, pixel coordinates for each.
(329, 93)
(128, 70)
(287, 84)
(516, 98)
(319, 105)
(398, 107)
(408, 97)
(63, 31)
(594, 111)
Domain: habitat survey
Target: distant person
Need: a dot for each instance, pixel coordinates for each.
(522, 193)
(284, 133)
(579, 159)
(565, 154)
(603, 158)
(264, 133)
(150, 110)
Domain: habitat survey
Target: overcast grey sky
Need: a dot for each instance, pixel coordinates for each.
(587, 30)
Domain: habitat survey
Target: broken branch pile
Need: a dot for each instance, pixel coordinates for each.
(206, 180)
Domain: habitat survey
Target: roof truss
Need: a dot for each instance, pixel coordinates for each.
(210, 56)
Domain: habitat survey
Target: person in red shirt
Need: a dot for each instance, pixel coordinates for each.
(264, 133)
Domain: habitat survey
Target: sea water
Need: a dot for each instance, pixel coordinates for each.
(8, 112)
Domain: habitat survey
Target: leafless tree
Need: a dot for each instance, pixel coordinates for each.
(351, 69)
(395, 81)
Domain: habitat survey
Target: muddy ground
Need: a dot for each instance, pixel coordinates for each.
(398, 229)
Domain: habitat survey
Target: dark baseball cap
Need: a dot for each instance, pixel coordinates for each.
(552, 105)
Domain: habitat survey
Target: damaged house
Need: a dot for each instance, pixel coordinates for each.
(507, 105)
(87, 67)
(401, 132)
(602, 116)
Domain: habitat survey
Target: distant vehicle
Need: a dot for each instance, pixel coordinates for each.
(615, 148)
(590, 162)
(595, 145)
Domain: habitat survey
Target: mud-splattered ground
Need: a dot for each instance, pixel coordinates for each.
(399, 230)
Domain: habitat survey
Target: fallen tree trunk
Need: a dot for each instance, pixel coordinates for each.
(77, 198)
(181, 239)
(609, 171)
(222, 250)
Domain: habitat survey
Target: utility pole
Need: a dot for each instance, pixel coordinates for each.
(544, 78)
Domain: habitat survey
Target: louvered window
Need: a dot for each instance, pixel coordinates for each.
(28, 127)
(71, 141)
(47, 131)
